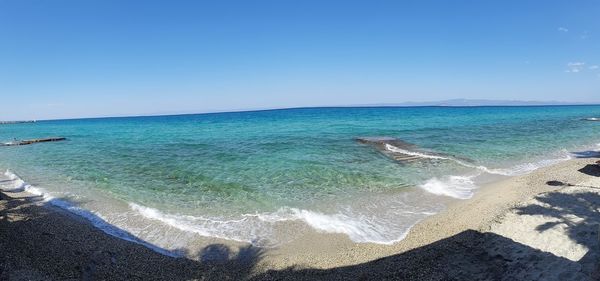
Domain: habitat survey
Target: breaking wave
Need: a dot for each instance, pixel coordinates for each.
(19, 185)
(256, 228)
(381, 226)
(462, 187)
(253, 228)
(516, 170)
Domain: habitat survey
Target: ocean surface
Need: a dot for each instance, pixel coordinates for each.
(267, 177)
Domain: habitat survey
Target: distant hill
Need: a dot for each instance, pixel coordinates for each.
(478, 102)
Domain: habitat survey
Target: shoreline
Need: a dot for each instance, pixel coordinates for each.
(479, 213)
(314, 253)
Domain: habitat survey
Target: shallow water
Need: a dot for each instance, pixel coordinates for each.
(267, 176)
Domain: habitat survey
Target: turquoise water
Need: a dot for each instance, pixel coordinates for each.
(266, 176)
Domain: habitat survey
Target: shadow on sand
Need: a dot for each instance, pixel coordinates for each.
(579, 213)
(586, 154)
(39, 244)
(590, 169)
(469, 255)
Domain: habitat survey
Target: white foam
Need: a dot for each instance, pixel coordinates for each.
(19, 185)
(253, 228)
(226, 229)
(525, 168)
(414, 153)
(437, 157)
(359, 229)
(516, 170)
(460, 187)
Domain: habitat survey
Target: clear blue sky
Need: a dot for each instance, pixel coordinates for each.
(81, 58)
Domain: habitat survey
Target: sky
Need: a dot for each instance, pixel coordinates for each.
(86, 58)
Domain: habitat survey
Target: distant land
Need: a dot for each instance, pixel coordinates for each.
(479, 102)
(449, 103)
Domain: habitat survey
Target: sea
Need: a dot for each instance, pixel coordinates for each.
(268, 177)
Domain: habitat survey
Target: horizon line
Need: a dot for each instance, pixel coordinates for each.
(405, 105)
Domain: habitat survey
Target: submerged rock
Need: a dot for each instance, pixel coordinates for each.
(386, 140)
(400, 150)
(394, 148)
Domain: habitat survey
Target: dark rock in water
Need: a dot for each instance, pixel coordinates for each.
(16, 122)
(26, 142)
(386, 140)
(402, 151)
(381, 144)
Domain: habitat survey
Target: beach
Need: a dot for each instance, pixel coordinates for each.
(519, 228)
(292, 140)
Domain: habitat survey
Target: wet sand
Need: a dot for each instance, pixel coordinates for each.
(520, 228)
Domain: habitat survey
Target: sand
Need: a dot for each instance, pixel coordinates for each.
(521, 228)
